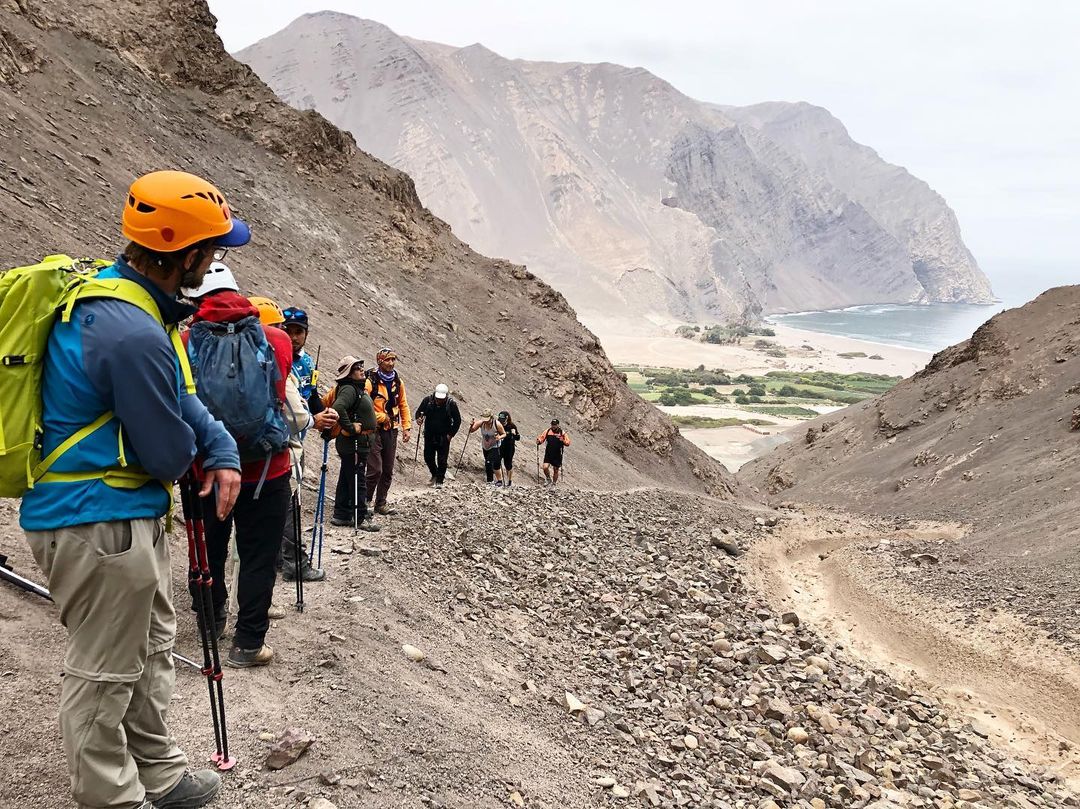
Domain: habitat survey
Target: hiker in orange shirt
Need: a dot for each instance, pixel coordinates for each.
(555, 440)
(392, 413)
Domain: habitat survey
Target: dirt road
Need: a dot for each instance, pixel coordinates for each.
(1016, 685)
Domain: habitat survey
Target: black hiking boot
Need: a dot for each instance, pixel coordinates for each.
(340, 522)
(310, 573)
(195, 789)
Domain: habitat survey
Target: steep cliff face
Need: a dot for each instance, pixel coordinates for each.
(905, 206)
(633, 199)
(96, 93)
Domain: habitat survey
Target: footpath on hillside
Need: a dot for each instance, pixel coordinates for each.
(540, 648)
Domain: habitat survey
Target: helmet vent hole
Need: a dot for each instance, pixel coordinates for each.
(142, 207)
(167, 234)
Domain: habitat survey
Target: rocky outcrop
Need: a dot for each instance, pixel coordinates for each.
(631, 198)
(905, 206)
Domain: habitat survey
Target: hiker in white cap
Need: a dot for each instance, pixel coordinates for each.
(441, 419)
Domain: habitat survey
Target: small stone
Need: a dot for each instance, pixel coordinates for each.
(329, 778)
(414, 654)
(288, 748)
(516, 799)
(798, 735)
(772, 654)
(828, 722)
(690, 741)
(571, 703)
(619, 791)
(371, 550)
(970, 795)
(321, 803)
(791, 618)
(605, 781)
(336, 638)
(593, 715)
(267, 736)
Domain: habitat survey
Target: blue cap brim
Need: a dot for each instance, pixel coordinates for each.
(237, 237)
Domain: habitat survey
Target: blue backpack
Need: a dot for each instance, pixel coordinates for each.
(236, 377)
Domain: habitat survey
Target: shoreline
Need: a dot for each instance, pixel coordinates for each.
(804, 351)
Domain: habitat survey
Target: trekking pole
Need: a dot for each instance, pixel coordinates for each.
(318, 526)
(356, 485)
(9, 575)
(213, 661)
(298, 552)
(461, 457)
(537, 464)
(188, 493)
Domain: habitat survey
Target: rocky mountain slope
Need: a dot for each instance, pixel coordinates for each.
(985, 436)
(628, 196)
(587, 651)
(97, 93)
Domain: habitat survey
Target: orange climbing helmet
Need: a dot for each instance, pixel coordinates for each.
(269, 312)
(167, 211)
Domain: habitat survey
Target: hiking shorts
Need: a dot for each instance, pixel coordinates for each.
(553, 457)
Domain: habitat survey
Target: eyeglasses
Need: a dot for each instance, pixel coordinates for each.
(358, 367)
(220, 253)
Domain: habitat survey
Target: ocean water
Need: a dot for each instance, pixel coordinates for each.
(932, 327)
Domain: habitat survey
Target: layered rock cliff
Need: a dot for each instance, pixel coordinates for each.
(630, 197)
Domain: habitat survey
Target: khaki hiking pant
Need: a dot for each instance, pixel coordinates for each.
(113, 586)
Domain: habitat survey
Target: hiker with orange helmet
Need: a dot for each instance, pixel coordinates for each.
(228, 321)
(392, 414)
(103, 546)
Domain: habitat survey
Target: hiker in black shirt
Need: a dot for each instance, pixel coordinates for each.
(441, 419)
(509, 445)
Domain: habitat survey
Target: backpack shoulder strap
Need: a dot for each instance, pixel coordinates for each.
(123, 289)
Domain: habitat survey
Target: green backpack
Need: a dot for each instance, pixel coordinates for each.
(30, 300)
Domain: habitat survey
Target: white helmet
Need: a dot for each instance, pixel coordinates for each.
(441, 391)
(217, 277)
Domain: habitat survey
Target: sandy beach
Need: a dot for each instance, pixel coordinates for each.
(805, 350)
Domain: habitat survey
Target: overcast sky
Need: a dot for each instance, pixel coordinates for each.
(980, 99)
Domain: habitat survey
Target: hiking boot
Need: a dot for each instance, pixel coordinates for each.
(310, 573)
(498, 484)
(385, 510)
(246, 658)
(194, 790)
(340, 522)
(369, 525)
(439, 485)
(275, 613)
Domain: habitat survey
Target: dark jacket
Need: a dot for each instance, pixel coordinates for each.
(439, 421)
(356, 417)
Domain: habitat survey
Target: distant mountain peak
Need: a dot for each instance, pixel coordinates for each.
(626, 194)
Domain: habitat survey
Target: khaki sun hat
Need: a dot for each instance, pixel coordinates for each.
(344, 368)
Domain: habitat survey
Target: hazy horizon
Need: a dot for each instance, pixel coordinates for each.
(970, 97)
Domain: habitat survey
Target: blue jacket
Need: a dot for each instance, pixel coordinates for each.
(113, 356)
(303, 368)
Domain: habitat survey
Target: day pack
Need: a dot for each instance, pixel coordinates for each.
(31, 300)
(236, 378)
(328, 402)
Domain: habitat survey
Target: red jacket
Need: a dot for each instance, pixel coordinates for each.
(230, 307)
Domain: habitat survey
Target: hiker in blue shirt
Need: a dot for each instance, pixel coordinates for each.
(93, 521)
